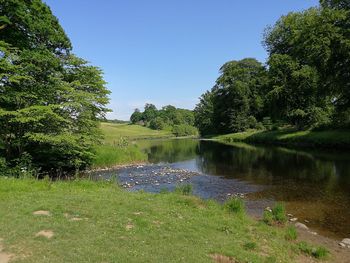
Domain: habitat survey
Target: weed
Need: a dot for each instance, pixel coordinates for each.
(279, 213)
(316, 252)
(184, 189)
(291, 233)
(235, 205)
(250, 246)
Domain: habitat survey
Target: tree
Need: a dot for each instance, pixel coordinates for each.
(149, 113)
(318, 40)
(136, 117)
(203, 113)
(157, 124)
(50, 100)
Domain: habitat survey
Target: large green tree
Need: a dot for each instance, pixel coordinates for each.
(50, 100)
(318, 40)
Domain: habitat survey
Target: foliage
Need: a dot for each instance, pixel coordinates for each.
(184, 130)
(305, 82)
(279, 213)
(50, 99)
(157, 124)
(235, 205)
(180, 121)
(250, 246)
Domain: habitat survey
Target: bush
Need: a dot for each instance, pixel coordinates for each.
(252, 122)
(291, 233)
(184, 189)
(184, 130)
(267, 123)
(235, 205)
(157, 124)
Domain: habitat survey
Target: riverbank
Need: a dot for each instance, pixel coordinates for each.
(98, 221)
(290, 137)
(119, 145)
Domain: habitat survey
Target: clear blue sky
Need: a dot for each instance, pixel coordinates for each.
(166, 51)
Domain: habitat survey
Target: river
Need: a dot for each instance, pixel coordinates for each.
(313, 184)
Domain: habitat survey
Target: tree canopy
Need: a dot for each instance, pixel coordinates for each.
(50, 100)
(305, 82)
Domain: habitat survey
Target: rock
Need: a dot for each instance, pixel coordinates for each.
(306, 221)
(268, 209)
(342, 244)
(293, 219)
(313, 233)
(346, 241)
(289, 215)
(301, 226)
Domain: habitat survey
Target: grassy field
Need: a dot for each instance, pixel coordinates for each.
(326, 139)
(100, 222)
(113, 132)
(119, 147)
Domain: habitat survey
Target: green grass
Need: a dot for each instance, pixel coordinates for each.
(291, 233)
(121, 226)
(316, 252)
(336, 139)
(113, 132)
(109, 156)
(118, 147)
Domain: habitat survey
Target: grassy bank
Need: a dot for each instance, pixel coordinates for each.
(118, 147)
(99, 222)
(324, 139)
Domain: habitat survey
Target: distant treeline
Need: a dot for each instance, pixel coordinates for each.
(179, 121)
(305, 81)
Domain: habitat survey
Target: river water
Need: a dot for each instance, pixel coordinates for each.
(313, 184)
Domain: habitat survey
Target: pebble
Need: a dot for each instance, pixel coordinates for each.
(345, 243)
(293, 219)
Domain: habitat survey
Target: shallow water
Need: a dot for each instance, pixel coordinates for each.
(315, 185)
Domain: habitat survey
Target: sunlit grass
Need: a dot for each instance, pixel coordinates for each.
(120, 226)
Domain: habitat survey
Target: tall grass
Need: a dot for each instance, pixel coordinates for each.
(108, 155)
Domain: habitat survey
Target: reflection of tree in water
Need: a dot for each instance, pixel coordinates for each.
(172, 150)
(270, 165)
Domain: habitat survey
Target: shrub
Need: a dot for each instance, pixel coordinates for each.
(252, 123)
(235, 205)
(184, 130)
(291, 233)
(184, 189)
(157, 124)
(267, 123)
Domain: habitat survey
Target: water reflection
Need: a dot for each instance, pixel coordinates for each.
(314, 184)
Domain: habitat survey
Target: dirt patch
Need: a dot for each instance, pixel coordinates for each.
(4, 257)
(42, 213)
(73, 218)
(137, 213)
(217, 258)
(45, 233)
(129, 226)
(158, 223)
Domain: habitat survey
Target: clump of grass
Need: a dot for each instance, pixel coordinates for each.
(291, 233)
(268, 217)
(184, 189)
(316, 252)
(277, 215)
(250, 246)
(236, 206)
